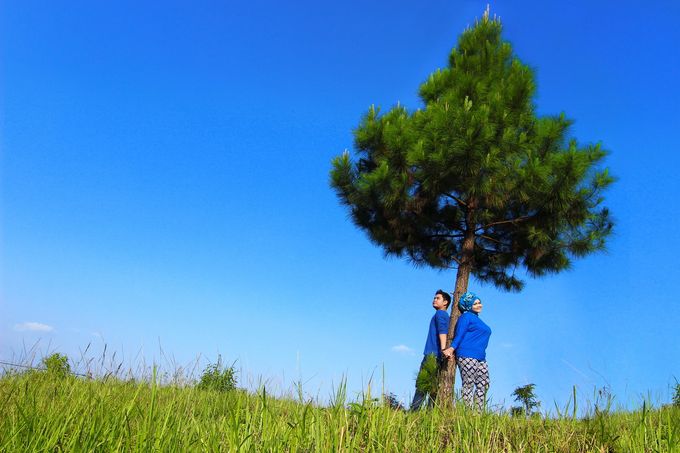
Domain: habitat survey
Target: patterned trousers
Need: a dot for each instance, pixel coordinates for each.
(475, 377)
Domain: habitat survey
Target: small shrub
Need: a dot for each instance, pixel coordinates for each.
(57, 364)
(676, 394)
(525, 395)
(391, 401)
(218, 377)
(427, 381)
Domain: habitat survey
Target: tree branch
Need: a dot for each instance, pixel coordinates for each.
(444, 235)
(456, 199)
(491, 251)
(489, 238)
(515, 220)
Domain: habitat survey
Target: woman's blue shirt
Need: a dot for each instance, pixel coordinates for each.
(471, 337)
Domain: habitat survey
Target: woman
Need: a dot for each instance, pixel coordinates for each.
(470, 340)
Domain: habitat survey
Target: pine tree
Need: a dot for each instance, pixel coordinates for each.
(476, 180)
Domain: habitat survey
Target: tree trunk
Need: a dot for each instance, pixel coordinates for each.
(447, 376)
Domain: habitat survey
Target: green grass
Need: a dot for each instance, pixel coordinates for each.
(42, 411)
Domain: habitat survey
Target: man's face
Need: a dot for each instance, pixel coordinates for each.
(439, 303)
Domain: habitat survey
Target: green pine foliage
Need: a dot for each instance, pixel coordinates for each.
(428, 377)
(476, 177)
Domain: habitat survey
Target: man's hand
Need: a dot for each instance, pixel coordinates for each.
(448, 353)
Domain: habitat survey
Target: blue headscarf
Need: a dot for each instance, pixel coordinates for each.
(466, 300)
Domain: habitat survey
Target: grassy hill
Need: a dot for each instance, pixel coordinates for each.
(44, 411)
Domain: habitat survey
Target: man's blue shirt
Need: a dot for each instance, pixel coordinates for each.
(471, 337)
(438, 325)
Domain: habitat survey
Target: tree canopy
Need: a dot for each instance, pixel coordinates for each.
(476, 179)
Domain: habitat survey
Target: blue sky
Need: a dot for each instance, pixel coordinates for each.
(164, 184)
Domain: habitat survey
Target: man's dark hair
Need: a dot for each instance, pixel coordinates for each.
(446, 296)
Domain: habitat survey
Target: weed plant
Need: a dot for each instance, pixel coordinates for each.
(218, 377)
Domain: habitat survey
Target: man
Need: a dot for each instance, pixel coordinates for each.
(434, 345)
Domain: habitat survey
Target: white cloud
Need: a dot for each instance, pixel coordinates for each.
(33, 327)
(403, 349)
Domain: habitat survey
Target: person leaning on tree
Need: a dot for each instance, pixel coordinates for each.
(470, 339)
(436, 340)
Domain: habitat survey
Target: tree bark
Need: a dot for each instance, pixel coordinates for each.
(447, 375)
